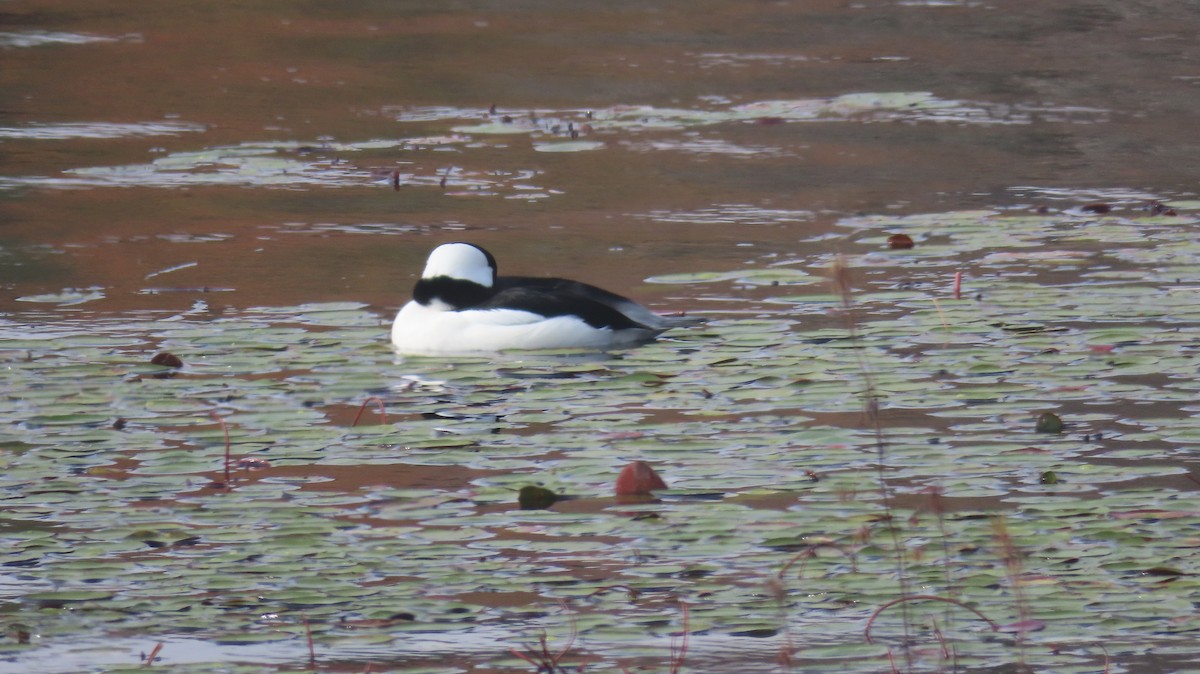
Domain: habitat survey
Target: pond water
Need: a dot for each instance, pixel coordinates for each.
(253, 186)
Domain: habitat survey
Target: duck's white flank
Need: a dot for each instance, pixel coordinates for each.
(460, 306)
(426, 330)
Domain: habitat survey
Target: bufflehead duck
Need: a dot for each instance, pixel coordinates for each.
(460, 305)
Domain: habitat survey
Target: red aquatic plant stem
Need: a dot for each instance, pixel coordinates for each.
(810, 552)
(843, 287)
(224, 428)
(312, 652)
(1012, 566)
(363, 407)
(939, 509)
(786, 649)
(570, 639)
(158, 647)
(526, 658)
(958, 285)
(677, 656)
(941, 638)
(787, 645)
(922, 597)
(892, 661)
(540, 657)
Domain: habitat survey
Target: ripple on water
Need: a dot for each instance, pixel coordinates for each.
(38, 38)
(97, 130)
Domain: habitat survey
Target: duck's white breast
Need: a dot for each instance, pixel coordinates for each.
(419, 329)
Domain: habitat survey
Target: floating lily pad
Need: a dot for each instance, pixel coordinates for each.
(759, 422)
(67, 297)
(569, 146)
(747, 276)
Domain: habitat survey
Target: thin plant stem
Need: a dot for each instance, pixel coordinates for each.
(312, 651)
(363, 407)
(159, 646)
(540, 657)
(787, 645)
(939, 510)
(678, 655)
(922, 597)
(810, 552)
(1012, 568)
(571, 638)
(526, 658)
(840, 277)
(216, 417)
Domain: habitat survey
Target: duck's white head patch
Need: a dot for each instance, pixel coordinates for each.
(461, 261)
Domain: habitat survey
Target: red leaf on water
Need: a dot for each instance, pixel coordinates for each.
(638, 479)
(900, 241)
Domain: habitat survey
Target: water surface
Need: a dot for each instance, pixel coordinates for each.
(255, 186)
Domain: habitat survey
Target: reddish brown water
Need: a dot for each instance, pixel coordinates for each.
(1077, 96)
(1059, 103)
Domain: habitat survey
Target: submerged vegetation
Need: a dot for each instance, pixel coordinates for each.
(241, 503)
